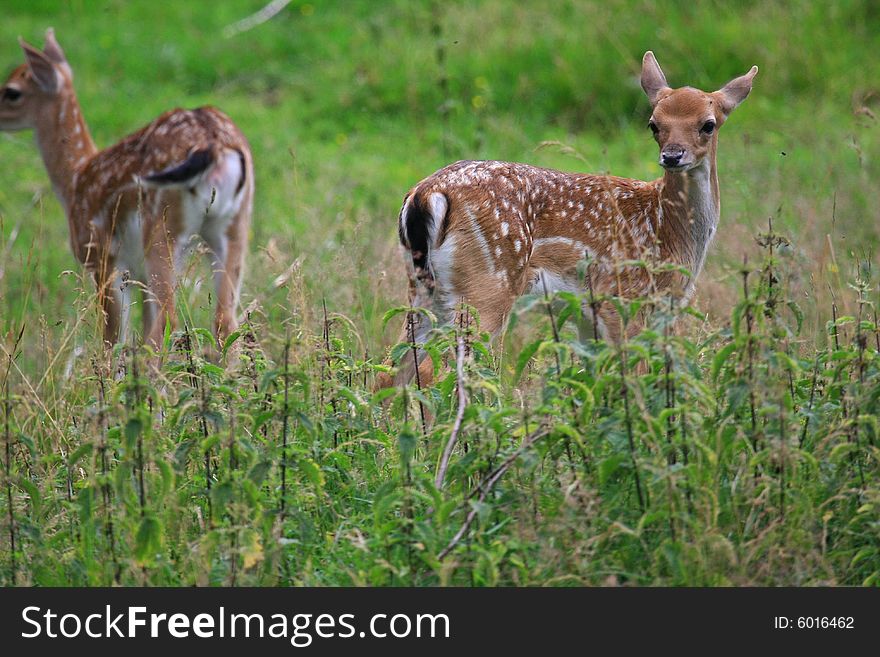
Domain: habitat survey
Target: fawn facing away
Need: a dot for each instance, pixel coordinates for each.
(133, 208)
(487, 232)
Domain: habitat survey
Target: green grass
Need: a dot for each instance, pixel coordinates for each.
(345, 108)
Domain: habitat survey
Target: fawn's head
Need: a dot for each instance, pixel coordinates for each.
(34, 86)
(685, 121)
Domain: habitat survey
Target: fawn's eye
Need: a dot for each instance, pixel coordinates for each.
(708, 128)
(653, 127)
(11, 94)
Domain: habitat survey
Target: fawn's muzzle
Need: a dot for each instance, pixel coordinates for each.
(672, 155)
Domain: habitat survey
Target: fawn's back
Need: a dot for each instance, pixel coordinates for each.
(188, 169)
(518, 227)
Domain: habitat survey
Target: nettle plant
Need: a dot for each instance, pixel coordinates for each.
(740, 452)
(747, 426)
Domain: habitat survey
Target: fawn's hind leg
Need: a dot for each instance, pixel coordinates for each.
(227, 252)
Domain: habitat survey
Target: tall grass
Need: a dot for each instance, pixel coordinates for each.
(736, 453)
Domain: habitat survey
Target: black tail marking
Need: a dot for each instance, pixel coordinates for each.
(195, 164)
(241, 180)
(418, 226)
(416, 235)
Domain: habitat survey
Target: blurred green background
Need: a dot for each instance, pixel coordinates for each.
(349, 103)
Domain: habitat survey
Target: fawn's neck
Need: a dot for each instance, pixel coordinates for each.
(65, 144)
(690, 206)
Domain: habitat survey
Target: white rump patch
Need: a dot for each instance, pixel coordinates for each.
(438, 206)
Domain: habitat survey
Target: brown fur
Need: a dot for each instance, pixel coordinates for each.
(510, 227)
(100, 189)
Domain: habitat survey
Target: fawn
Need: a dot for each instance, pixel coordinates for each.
(133, 208)
(486, 232)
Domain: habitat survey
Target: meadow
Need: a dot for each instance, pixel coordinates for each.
(739, 445)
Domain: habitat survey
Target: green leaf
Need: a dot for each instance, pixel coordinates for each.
(251, 548)
(259, 471)
(208, 368)
(262, 418)
(204, 336)
(526, 302)
(85, 500)
(209, 442)
(133, 429)
(33, 492)
(400, 351)
(166, 337)
(392, 313)
(525, 356)
(721, 358)
(434, 354)
(230, 340)
(78, 453)
(609, 466)
(181, 454)
(381, 395)
(407, 441)
(841, 450)
(864, 553)
(148, 541)
(221, 494)
(29, 443)
(351, 396)
(483, 510)
(166, 473)
(798, 315)
(312, 471)
(406, 309)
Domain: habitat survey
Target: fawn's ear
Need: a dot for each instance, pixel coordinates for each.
(735, 91)
(52, 49)
(41, 68)
(653, 80)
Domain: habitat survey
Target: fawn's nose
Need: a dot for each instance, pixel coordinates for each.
(671, 155)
